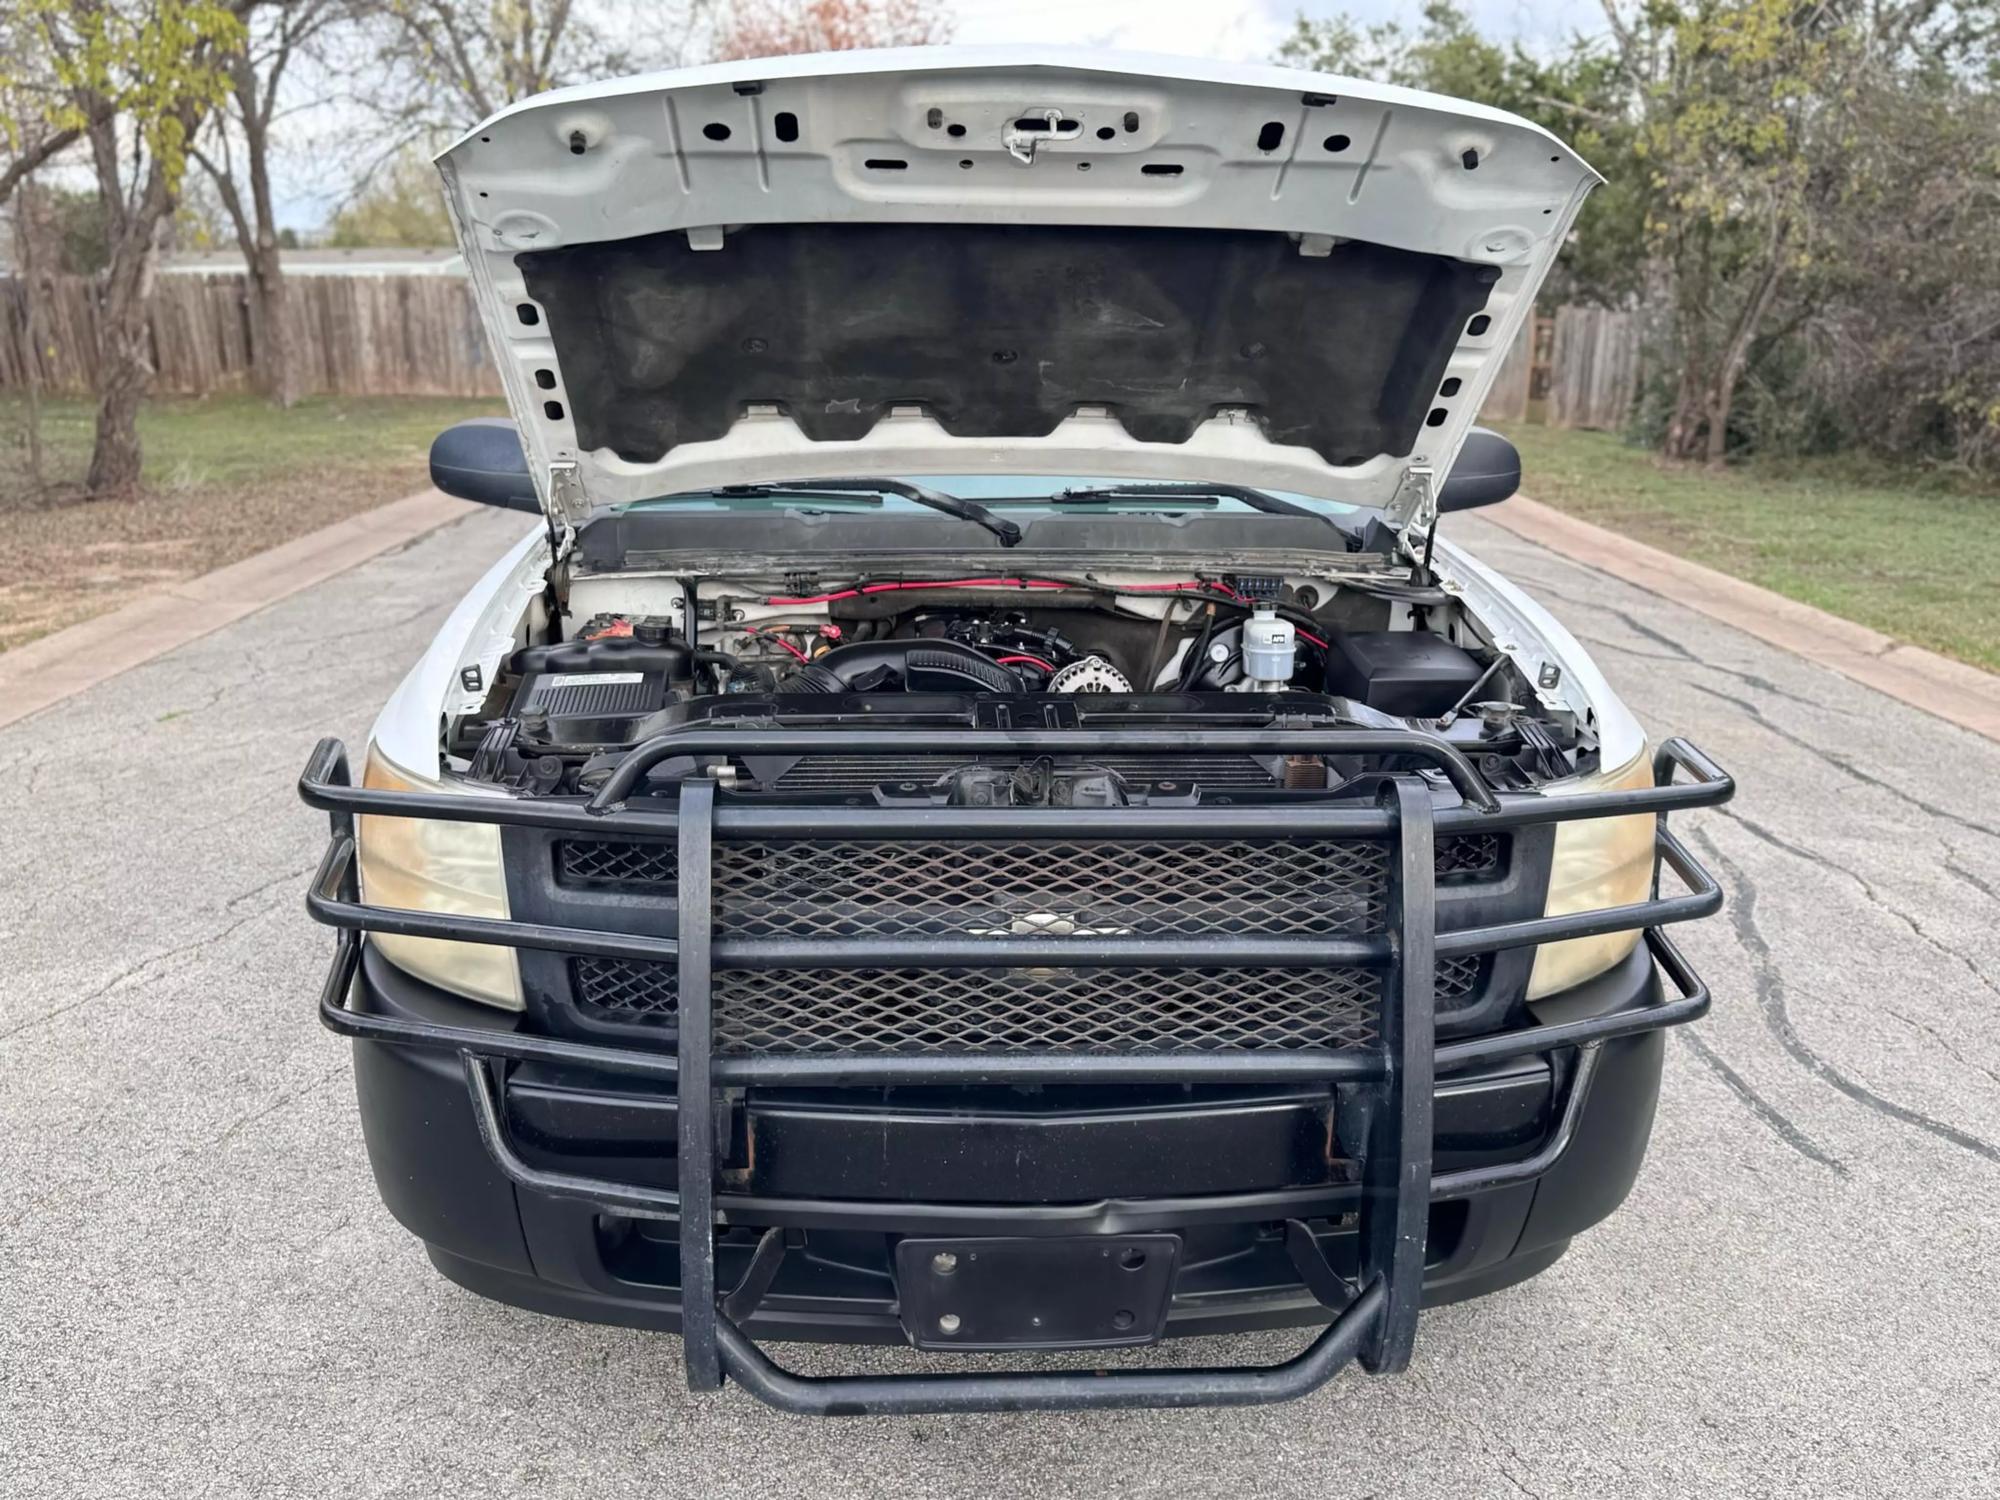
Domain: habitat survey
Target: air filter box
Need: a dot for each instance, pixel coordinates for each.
(1413, 674)
(594, 692)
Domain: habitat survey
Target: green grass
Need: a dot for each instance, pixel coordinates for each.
(225, 441)
(225, 478)
(1918, 561)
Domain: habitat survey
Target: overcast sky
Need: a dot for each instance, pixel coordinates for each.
(310, 181)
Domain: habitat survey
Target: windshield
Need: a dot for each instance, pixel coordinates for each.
(1014, 493)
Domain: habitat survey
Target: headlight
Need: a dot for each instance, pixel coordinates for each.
(1599, 862)
(426, 864)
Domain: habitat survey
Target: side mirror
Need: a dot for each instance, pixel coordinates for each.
(1488, 471)
(482, 460)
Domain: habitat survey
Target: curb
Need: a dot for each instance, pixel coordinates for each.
(1950, 690)
(59, 666)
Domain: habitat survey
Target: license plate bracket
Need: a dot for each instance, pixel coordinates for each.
(1055, 1292)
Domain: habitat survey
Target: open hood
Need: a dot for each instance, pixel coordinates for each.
(1002, 260)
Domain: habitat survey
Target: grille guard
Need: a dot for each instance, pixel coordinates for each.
(1374, 1316)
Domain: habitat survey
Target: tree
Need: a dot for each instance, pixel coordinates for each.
(240, 142)
(29, 235)
(30, 141)
(134, 82)
(1729, 97)
(35, 115)
(766, 28)
(1898, 342)
(1756, 123)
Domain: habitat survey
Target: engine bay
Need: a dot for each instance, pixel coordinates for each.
(613, 660)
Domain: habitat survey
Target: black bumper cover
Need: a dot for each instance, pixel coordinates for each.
(569, 1259)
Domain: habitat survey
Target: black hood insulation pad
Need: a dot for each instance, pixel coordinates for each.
(1002, 331)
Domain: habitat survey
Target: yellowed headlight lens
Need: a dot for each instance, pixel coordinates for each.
(427, 864)
(1599, 862)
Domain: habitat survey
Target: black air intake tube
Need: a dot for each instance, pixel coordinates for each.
(907, 666)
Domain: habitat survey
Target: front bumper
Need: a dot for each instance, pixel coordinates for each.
(628, 1184)
(836, 1285)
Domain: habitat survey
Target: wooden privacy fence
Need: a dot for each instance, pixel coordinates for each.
(1572, 367)
(418, 335)
(395, 335)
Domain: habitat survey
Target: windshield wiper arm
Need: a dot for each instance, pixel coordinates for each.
(920, 494)
(772, 492)
(1257, 500)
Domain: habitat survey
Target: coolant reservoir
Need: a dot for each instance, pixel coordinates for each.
(1269, 650)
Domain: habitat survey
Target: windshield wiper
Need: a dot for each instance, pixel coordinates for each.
(920, 494)
(1257, 500)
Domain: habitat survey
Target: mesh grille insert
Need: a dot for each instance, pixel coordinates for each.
(905, 1010)
(840, 888)
(1015, 1010)
(650, 864)
(849, 888)
(630, 862)
(1465, 854)
(627, 989)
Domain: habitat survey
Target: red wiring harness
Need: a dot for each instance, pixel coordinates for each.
(1198, 587)
(1191, 586)
(949, 583)
(772, 635)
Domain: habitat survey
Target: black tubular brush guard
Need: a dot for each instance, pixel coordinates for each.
(1374, 1314)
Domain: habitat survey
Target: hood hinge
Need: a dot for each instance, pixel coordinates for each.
(566, 494)
(1415, 504)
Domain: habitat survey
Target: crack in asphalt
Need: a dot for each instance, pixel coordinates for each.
(1785, 846)
(55, 1012)
(257, 890)
(243, 1121)
(1776, 1120)
(1943, 1042)
(1847, 767)
(1953, 867)
(1773, 1001)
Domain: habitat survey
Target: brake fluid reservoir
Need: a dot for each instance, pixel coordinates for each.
(1269, 649)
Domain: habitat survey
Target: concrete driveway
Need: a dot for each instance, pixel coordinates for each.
(199, 1293)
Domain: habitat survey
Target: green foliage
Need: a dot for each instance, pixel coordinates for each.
(1728, 97)
(403, 206)
(1897, 346)
(158, 67)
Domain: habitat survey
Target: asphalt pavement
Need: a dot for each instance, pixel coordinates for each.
(201, 1295)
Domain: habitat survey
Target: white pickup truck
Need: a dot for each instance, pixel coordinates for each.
(983, 814)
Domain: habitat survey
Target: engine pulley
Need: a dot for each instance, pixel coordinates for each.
(1093, 674)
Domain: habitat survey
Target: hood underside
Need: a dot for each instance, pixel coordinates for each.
(1001, 331)
(951, 261)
